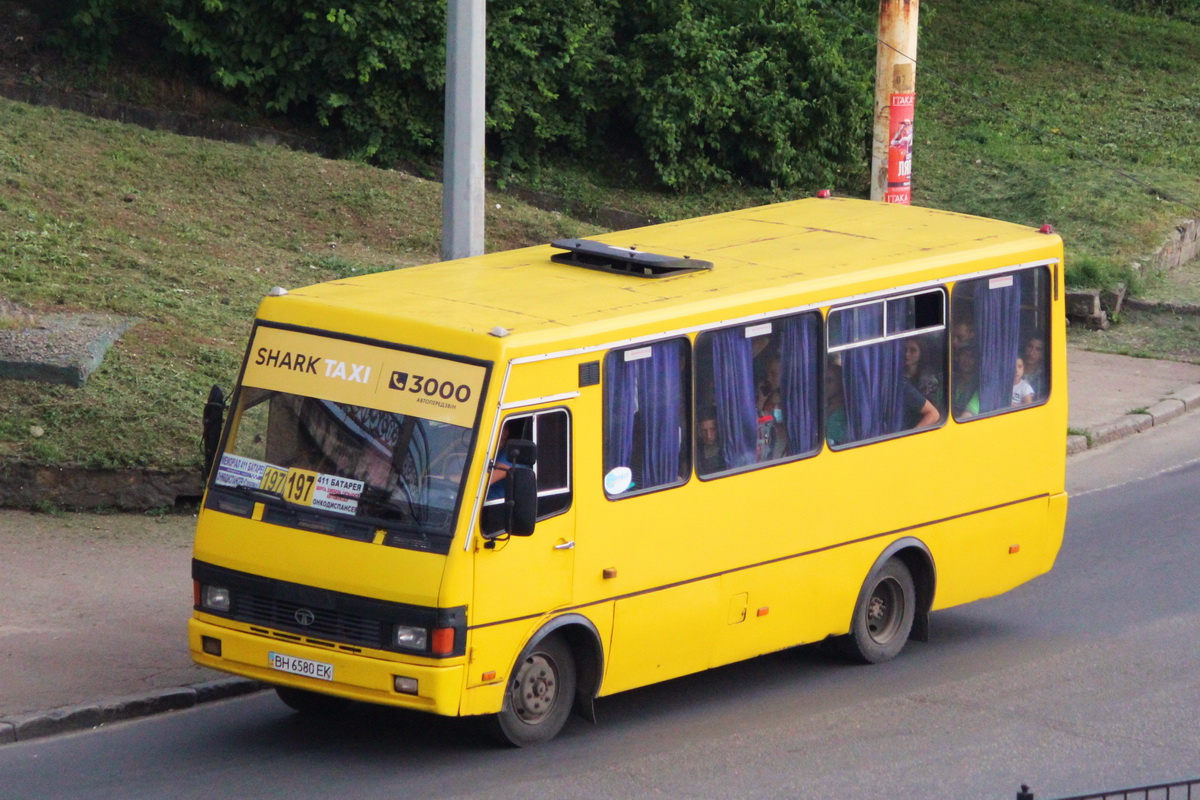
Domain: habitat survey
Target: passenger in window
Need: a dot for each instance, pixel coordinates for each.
(772, 435)
(1035, 365)
(919, 412)
(1022, 393)
(918, 372)
(962, 335)
(710, 459)
(965, 397)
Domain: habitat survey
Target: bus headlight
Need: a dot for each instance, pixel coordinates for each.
(410, 637)
(215, 598)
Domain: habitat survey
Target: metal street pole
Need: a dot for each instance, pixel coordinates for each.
(462, 179)
(895, 93)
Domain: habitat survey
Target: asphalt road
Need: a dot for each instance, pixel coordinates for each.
(1082, 680)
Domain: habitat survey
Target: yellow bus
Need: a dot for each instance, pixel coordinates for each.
(506, 485)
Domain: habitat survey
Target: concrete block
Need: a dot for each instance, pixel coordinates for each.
(1113, 299)
(1083, 303)
(144, 705)
(1190, 395)
(1166, 410)
(1076, 444)
(1119, 429)
(60, 720)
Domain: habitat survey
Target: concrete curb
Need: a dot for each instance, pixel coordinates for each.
(1170, 407)
(37, 724)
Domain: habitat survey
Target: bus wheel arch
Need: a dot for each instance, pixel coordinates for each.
(919, 560)
(893, 603)
(558, 670)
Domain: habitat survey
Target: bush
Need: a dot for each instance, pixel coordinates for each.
(771, 91)
(709, 91)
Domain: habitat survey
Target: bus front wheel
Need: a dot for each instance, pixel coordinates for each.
(540, 693)
(883, 617)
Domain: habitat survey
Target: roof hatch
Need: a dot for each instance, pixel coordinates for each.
(623, 260)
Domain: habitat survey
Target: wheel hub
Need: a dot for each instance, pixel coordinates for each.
(535, 688)
(885, 611)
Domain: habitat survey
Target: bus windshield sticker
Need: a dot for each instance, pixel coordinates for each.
(339, 495)
(298, 486)
(240, 472)
(382, 378)
(1002, 282)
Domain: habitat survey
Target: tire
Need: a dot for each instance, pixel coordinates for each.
(540, 694)
(311, 703)
(883, 617)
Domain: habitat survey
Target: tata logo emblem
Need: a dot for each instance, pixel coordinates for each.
(398, 381)
(305, 617)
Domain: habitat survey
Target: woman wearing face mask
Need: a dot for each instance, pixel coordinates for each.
(772, 435)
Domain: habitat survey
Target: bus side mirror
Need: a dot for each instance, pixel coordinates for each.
(214, 420)
(520, 503)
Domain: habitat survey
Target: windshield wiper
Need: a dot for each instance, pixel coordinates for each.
(259, 493)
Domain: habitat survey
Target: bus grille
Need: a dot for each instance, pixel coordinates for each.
(333, 625)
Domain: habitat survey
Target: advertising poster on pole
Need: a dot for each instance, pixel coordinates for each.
(900, 130)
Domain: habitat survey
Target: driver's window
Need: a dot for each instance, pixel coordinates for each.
(551, 432)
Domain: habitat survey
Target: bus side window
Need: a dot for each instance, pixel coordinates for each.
(646, 421)
(1000, 343)
(885, 374)
(551, 432)
(757, 393)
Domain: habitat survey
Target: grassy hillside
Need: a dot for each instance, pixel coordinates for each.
(187, 235)
(1043, 112)
(1027, 111)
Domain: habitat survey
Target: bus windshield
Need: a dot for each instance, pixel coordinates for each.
(343, 461)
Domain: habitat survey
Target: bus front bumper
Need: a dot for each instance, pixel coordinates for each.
(320, 669)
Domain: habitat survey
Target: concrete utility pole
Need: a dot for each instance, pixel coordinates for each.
(895, 92)
(462, 162)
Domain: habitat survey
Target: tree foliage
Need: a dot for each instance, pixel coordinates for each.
(774, 92)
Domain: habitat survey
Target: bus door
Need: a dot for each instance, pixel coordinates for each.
(528, 576)
(638, 547)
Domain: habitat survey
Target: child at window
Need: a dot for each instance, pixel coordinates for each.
(1022, 392)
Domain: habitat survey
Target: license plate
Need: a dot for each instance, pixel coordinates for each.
(302, 666)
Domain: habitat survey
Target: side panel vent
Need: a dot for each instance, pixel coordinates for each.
(623, 260)
(589, 374)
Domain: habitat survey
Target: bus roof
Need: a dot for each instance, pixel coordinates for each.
(807, 251)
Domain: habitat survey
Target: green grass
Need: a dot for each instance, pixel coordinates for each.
(1026, 111)
(186, 235)
(1039, 112)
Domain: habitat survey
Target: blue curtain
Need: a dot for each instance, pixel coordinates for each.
(998, 321)
(620, 406)
(644, 405)
(800, 353)
(661, 402)
(733, 396)
(872, 377)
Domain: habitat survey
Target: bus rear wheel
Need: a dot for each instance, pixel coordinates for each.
(540, 694)
(884, 615)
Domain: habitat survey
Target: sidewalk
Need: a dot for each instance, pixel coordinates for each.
(95, 607)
